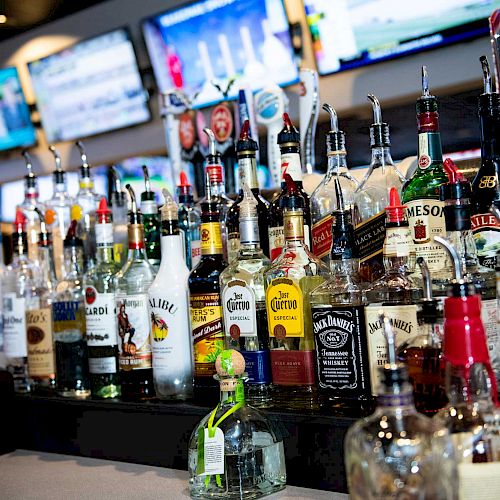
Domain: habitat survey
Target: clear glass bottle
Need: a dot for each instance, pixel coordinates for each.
(119, 210)
(151, 218)
(324, 198)
(249, 455)
(396, 452)
(372, 196)
(100, 315)
(244, 302)
(172, 346)
(68, 311)
(132, 283)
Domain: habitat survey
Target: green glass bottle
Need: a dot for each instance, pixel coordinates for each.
(152, 223)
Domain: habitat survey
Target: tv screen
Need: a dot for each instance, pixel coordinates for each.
(351, 33)
(218, 40)
(16, 129)
(91, 87)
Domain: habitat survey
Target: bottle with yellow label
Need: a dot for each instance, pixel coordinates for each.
(289, 281)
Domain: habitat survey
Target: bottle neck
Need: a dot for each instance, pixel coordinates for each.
(47, 270)
(231, 391)
(345, 267)
(396, 398)
(249, 232)
(211, 238)
(73, 259)
(429, 140)
(337, 161)
(290, 164)
(104, 242)
(293, 226)
(381, 157)
(136, 242)
(218, 188)
(247, 170)
(467, 387)
(86, 185)
(489, 121)
(397, 247)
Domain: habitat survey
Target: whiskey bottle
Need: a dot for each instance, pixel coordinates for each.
(151, 221)
(289, 143)
(100, 314)
(372, 196)
(244, 302)
(132, 283)
(246, 149)
(289, 281)
(323, 199)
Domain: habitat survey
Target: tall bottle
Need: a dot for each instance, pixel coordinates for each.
(205, 301)
(246, 149)
(132, 283)
(289, 143)
(324, 199)
(68, 310)
(289, 281)
(425, 210)
(172, 346)
(372, 196)
(119, 212)
(244, 302)
(485, 187)
(100, 314)
(151, 218)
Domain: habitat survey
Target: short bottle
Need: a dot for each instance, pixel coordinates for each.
(234, 452)
(151, 221)
(172, 346)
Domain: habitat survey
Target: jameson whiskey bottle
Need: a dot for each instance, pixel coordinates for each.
(485, 188)
(151, 218)
(205, 301)
(425, 211)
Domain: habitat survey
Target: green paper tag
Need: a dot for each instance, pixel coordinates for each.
(200, 466)
(226, 360)
(240, 391)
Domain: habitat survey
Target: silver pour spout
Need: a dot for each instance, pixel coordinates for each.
(212, 143)
(486, 74)
(426, 278)
(455, 258)
(29, 163)
(83, 154)
(43, 225)
(147, 181)
(390, 337)
(377, 110)
(133, 202)
(116, 179)
(425, 82)
(57, 158)
(334, 121)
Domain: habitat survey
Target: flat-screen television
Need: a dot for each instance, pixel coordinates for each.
(351, 33)
(16, 129)
(214, 41)
(92, 87)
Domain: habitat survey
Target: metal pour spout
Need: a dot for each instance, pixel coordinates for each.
(334, 121)
(212, 143)
(426, 278)
(486, 74)
(57, 158)
(377, 110)
(83, 154)
(425, 82)
(147, 181)
(455, 258)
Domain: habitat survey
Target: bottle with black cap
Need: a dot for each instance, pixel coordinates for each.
(119, 211)
(151, 221)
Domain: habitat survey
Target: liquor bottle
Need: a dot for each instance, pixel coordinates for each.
(151, 218)
(18, 283)
(338, 320)
(205, 300)
(39, 323)
(395, 293)
(396, 452)
(58, 214)
(100, 314)
(471, 415)
(485, 188)
(372, 196)
(189, 222)
(425, 210)
(235, 452)
(119, 212)
(246, 148)
(68, 311)
(172, 346)
(323, 199)
(289, 281)
(289, 142)
(244, 302)
(132, 283)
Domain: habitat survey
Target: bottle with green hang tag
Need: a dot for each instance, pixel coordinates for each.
(234, 452)
(152, 223)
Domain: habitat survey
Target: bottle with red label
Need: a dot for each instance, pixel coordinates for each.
(289, 143)
(485, 188)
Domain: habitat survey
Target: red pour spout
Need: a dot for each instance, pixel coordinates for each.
(245, 131)
(395, 211)
(287, 121)
(103, 207)
(290, 185)
(20, 221)
(183, 180)
(454, 175)
(71, 234)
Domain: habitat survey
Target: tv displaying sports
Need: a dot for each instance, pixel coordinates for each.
(89, 88)
(16, 129)
(351, 33)
(214, 41)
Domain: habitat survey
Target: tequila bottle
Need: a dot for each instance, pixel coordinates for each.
(244, 302)
(234, 452)
(151, 218)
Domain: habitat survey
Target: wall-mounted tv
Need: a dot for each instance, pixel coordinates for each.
(16, 129)
(351, 33)
(89, 88)
(218, 40)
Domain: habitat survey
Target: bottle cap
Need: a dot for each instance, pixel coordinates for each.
(214, 166)
(84, 167)
(30, 177)
(230, 363)
(289, 135)
(147, 195)
(58, 172)
(245, 142)
(457, 187)
(335, 138)
(395, 212)
(183, 188)
(72, 240)
(19, 221)
(426, 103)
(43, 235)
(103, 212)
(134, 214)
(342, 230)
(118, 196)
(169, 210)
(379, 130)
(293, 199)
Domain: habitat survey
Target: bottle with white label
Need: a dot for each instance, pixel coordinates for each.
(170, 328)
(100, 315)
(244, 302)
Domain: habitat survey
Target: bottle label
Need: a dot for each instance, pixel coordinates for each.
(257, 366)
(101, 366)
(211, 239)
(429, 149)
(240, 318)
(276, 241)
(369, 237)
(292, 367)
(290, 164)
(15, 343)
(41, 357)
(404, 321)
(248, 173)
(210, 458)
(398, 242)
(486, 229)
(207, 331)
(285, 312)
(134, 332)
(293, 224)
(100, 316)
(322, 237)
(492, 330)
(195, 253)
(426, 220)
(249, 231)
(104, 235)
(341, 350)
(233, 246)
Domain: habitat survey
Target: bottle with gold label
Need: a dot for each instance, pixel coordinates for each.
(205, 301)
(289, 281)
